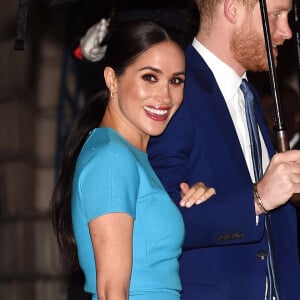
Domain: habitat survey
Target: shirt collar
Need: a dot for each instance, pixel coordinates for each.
(227, 79)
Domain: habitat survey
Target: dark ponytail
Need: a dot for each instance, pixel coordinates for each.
(60, 205)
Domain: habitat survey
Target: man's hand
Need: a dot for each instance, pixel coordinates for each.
(281, 179)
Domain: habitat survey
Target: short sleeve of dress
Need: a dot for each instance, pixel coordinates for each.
(109, 182)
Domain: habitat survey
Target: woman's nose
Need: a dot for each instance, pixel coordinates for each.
(164, 95)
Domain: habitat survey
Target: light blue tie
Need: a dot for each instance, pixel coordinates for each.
(272, 292)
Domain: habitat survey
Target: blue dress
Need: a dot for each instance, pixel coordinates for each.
(110, 176)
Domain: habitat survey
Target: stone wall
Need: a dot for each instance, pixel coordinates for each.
(30, 266)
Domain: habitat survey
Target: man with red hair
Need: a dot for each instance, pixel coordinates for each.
(226, 254)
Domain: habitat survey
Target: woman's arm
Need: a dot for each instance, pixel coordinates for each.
(111, 236)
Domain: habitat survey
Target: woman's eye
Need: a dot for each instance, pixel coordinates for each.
(177, 80)
(149, 77)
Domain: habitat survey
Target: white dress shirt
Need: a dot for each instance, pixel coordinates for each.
(229, 83)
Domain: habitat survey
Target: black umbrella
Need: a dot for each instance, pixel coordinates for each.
(280, 127)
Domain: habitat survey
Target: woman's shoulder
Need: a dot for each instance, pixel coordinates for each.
(107, 140)
(105, 145)
(106, 152)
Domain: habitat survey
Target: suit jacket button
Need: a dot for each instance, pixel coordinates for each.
(261, 254)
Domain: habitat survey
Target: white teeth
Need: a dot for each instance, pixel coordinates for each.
(274, 46)
(156, 111)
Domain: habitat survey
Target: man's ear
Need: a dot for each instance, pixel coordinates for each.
(110, 79)
(231, 9)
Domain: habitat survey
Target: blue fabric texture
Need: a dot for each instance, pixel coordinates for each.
(272, 287)
(253, 129)
(113, 176)
(220, 259)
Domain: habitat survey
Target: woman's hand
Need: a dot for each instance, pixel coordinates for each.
(196, 194)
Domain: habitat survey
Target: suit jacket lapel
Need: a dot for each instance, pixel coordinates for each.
(217, 105)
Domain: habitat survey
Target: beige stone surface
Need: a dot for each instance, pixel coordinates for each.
(15, 69)
(47, 259)
(16, 187)
(16, 126)
(45, 138)
(44, 183)
(30, 264)
(48, 88)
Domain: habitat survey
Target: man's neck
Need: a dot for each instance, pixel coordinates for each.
(219, 45)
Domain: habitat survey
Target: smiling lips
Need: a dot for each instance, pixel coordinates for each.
(157, 114)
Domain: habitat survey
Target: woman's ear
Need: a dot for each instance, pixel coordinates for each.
(231, 9)
(110, 79)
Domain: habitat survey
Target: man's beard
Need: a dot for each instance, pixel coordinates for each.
(249, 49)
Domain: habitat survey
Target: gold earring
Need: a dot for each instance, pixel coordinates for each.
(113, 94)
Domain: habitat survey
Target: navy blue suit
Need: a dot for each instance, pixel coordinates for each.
(224, 250)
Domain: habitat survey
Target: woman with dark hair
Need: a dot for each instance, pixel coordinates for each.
(111, 215)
